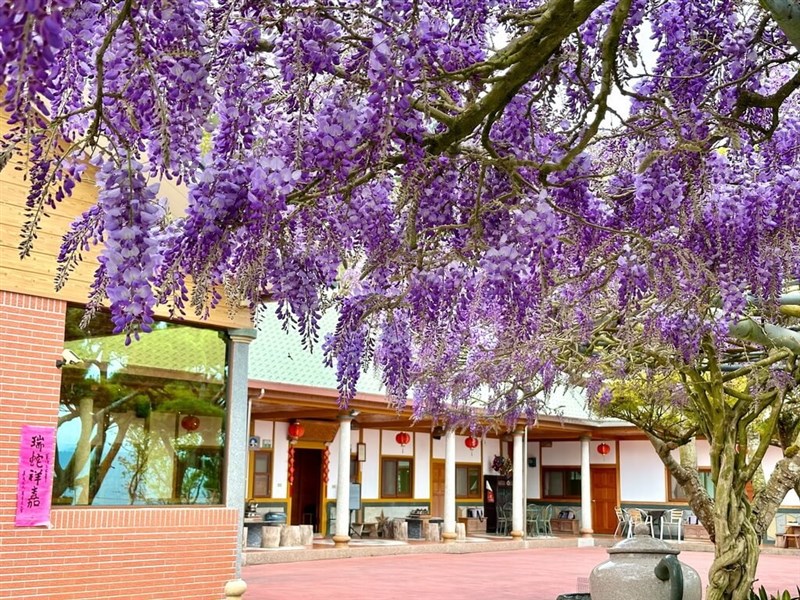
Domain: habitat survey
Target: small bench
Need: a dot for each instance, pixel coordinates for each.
(365, 529)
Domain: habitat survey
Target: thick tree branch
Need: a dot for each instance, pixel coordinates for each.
(560, 19)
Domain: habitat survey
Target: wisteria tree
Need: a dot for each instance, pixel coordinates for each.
(497, 196)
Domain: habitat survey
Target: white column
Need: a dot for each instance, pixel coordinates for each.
(342, 534)
(525, 480)
(517, 493)
(586, 489)
(449, 534)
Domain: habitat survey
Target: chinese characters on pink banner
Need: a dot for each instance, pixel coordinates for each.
(35, 482)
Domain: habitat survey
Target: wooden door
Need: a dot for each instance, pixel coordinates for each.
(437, 488)
(604, 499)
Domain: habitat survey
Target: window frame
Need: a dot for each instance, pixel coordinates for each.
(396, 460)
(705, 479)
(564, 470)
(470, 467)
(270, 457)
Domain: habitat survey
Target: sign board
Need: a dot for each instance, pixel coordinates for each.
(355, 496)
(254, 442)
(35, 477)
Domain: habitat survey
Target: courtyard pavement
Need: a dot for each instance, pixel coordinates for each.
(540, 573)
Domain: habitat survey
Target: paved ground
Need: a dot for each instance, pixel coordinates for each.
(530, 574)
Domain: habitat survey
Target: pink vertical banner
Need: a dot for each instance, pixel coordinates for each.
(35, 481)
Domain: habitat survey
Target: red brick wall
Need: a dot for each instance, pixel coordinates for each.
(130, 553)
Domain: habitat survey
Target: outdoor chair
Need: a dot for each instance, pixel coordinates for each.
(532, 519)
(672, 518)
(544, 520)
(636, 516)
(503, 516)
(622, 521)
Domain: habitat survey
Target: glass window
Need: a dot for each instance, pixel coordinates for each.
(562, 482)
(141, 423)
(262, 474)
(468, 481)
(396, 478)
(678, 494)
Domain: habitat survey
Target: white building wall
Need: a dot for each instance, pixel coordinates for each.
(280, 460)
(422, 465)
(564, 454)
(437, 448)
(596, 458)
(464, 454)
(264, 430)
(534, 485)
(370, 468)
(390, 447)
(491, 448)
(641, 473)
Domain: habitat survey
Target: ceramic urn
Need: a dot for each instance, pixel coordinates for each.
(644, 567)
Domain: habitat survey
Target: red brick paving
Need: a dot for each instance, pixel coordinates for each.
(532, 574)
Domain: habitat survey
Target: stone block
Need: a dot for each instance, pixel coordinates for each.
(306, 535)
(290, 535)
(270, 537)
(400, 529)
(432, 534)
(461, 532)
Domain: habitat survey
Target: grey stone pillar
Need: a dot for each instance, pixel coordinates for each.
(517, 493)
(449, 532)
(237, 427)
(341, 536)
(586, 489)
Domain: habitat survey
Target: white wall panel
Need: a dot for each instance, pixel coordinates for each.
(437, 448)
(390, 447)
(422, 465)
(596, 458)
(641, 473)
(264, 430)
(370, 469)
(562, 454)
(491, 448)
(280, 463)
(464, 454)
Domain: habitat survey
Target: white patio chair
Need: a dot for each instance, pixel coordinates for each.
(622, 521)
(672, 518)
(636, 516)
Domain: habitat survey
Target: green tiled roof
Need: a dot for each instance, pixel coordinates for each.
(278, 356)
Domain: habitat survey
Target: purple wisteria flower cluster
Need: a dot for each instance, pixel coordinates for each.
(482, 189)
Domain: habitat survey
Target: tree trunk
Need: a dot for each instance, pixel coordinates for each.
(736, 553)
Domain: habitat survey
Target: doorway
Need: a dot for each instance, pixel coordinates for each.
(604, 499)
(437, 487)
(307, 487)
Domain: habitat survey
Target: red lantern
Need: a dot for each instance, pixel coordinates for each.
(471, 443)
(603, 449)
(402, 438)
(296, 430)
(190, 423)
